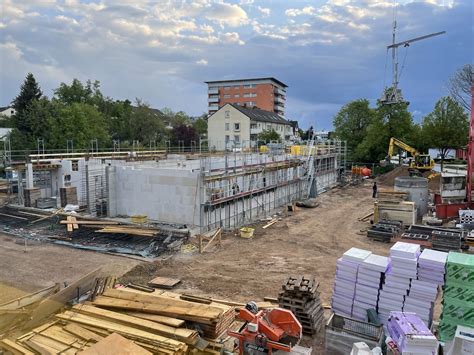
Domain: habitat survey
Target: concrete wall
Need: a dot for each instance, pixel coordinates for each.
(216, 128)
(164, 195)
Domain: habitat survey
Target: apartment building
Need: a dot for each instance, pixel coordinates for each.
(235, 126)
(268, 94)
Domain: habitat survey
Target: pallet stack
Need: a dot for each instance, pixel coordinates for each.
(301, 296)
(31, 196)
(68, 195)
(458, 296)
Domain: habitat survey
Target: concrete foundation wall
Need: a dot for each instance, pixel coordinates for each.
(164, 195)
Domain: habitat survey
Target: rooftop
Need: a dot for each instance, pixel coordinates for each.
(256, 114)
(250, 79)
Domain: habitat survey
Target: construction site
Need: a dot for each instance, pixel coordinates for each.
(255, 238)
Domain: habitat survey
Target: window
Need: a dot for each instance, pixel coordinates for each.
(227, 96)
(250, 86)
(250, 103)
(227, 139)
(253, 126)
(236, 126)
(236, 86)
(227, 126)
(227, 114)
(236, 95)
(237, 139)
(250, 94)
(227, 87)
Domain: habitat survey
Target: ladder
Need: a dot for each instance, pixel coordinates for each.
(310, 163)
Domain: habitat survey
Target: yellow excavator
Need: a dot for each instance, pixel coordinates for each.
(417, 162)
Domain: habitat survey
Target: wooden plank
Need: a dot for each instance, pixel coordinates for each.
(97, 223)
(55, 302)
(217, 236)
(13, 216)
(14, 348)
(115, 344)
(43, 350)
(172, 322)
(164, 282)
(186, 335)
(271, 223)
(70, 226)
(29, 299)
(82, 333)
(48, 343)
(74, 224)
(129, 332)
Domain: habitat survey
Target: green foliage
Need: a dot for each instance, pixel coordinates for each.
(200, 125)
(80, 122)
(351, 124)
(269, 135)
(146, 125)
(447, 126)
(78, 93)
(29, 92)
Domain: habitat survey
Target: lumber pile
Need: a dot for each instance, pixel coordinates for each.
(157, 323)
(212, 320)
(301, 296)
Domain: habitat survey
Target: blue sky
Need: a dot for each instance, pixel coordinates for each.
(328, 51)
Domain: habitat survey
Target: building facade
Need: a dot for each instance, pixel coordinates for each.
(6, 111)
(237, 127)
(267, 94)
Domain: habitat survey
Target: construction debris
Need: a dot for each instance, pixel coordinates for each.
(163, 282)
(301, 296)
(385, 230)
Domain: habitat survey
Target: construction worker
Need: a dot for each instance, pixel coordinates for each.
(374, 190)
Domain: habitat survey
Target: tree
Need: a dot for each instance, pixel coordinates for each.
(79, 93)
(79, 122)
(183, 134)
(460, 86)
(145, 124)
(269, 135)
(200, 125)
(446, 127)
(29, 92)
(351, 124)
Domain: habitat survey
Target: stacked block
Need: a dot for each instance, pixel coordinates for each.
(424, 290)
(458, 298)
(369, 279)
(402, 269)
(345, 280)
(410, 334)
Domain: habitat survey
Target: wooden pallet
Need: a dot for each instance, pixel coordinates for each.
(163, 282)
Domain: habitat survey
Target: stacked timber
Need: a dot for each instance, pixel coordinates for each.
(157, 323)
(212, 320)
(301, 296)
(68, 195)
(31, 196)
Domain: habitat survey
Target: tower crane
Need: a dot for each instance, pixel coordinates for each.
(393, 94)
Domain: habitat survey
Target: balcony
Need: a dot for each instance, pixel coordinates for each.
(213, 99)
(255, 130)
(279, 107)
(280, 100)
(213, 91)
(213, 107)
(279, 91)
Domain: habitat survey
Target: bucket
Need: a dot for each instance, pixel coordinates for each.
(139, 218)
(246, 232)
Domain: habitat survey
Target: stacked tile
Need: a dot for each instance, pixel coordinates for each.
(411, 335)
(402, 269)
(458, 297)
(369, 279)
(424, 290)
(345, 280)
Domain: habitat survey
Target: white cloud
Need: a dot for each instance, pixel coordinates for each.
(307, 10)
(226, 14)
(202, 62)
(264, 10)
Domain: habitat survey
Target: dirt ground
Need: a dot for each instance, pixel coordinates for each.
(308, 242)
(28, 268)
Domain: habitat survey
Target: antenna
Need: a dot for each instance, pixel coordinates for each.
(393, 95)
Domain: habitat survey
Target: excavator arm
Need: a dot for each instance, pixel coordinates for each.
(394, 142)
